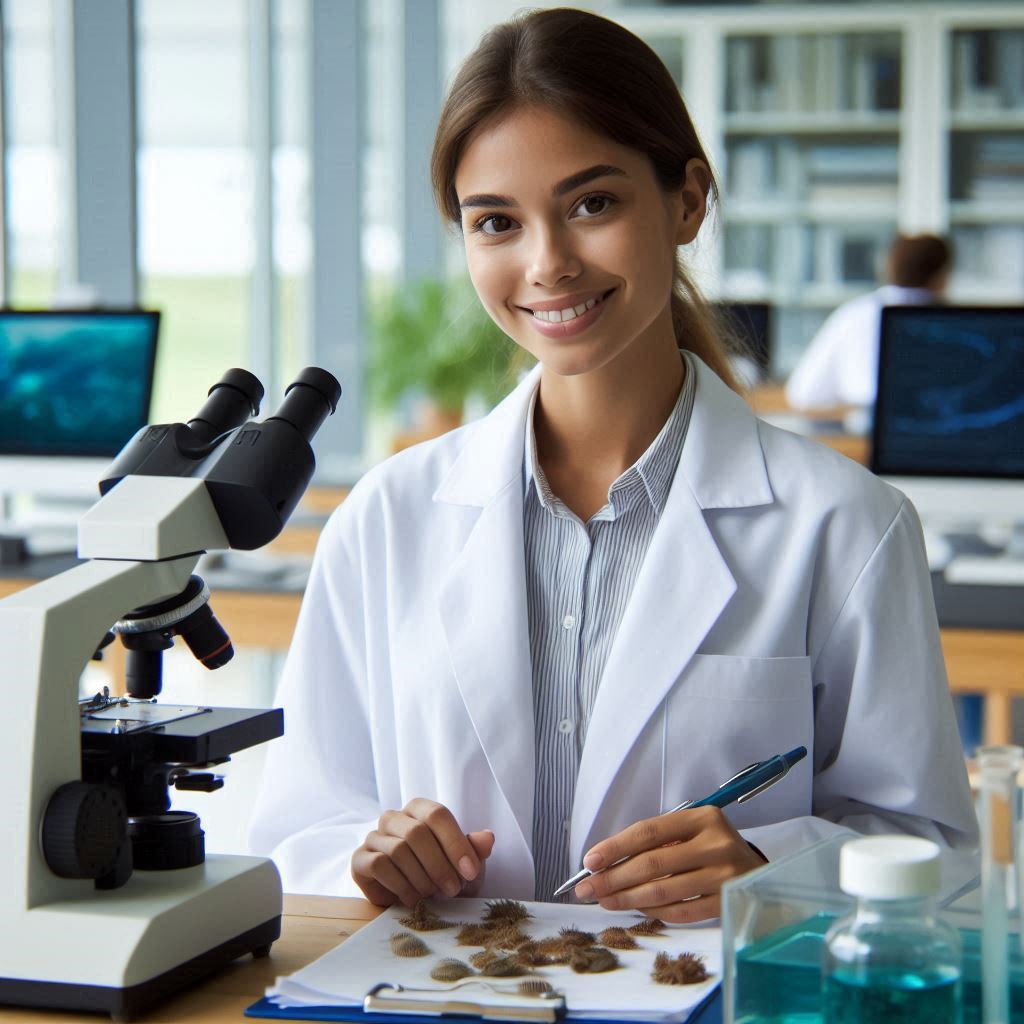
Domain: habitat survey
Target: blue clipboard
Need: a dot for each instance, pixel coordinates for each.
(708, 1012)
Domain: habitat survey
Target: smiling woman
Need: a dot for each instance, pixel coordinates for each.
(524, 643)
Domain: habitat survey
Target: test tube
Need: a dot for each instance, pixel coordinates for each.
(998, 816)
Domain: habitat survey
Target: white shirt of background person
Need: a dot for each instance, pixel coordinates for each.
(840, 365)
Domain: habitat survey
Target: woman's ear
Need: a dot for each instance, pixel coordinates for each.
(694, 195)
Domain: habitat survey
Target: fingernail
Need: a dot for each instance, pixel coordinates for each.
(585, 891)
(452, 888)
(468, 869)
(593, 862)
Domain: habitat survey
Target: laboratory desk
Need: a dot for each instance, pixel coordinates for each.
(311, 926)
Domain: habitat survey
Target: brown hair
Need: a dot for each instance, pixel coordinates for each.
(915, 260)
(599, 74)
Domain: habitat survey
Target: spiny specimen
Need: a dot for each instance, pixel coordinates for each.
(404, 944)
(502, 967)
(505, 910)
(652, 926)
(685, 969)
(507, 935)
(575, 937)
(617, 938)
(423, 919)
(451, 969)
(483, 958)
(595, 960)
(473, 935)
(535, 987)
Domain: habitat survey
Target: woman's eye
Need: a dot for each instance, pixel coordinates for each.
(495, 224)
(591, 206)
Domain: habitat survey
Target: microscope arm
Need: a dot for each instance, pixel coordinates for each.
(146, 536)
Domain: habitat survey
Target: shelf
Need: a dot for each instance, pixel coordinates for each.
(993, 211)
(839, 122)
(987, 121)
(752, 211)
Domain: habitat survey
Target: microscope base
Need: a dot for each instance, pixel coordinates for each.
(125, 1004)
(122, 950)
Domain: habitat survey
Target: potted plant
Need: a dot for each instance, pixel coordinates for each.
(432, 338)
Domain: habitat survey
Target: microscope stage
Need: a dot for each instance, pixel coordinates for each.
(184, 735)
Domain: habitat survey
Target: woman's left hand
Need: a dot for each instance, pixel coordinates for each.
(677, 865)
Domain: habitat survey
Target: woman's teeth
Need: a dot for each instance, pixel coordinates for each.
(559, 316)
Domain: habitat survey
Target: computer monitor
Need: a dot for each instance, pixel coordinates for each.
(750, 323)
(75, 386)
(949, 413)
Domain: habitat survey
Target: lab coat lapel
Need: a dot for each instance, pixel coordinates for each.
(483, 605)
(683, 586)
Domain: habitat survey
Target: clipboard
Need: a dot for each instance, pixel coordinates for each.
(708, 1012)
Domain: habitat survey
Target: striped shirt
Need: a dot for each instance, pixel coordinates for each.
(579, 577)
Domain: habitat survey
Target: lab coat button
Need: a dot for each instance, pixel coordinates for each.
(568, 622)
(566, 726)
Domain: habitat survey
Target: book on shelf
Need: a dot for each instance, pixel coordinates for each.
(813, 72)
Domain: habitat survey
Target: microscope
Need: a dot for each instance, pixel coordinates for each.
(110, 902)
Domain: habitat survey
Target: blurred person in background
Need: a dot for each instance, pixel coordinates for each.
(840, 366)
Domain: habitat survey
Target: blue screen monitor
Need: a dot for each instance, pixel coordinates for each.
(74, 383)
(950, 392)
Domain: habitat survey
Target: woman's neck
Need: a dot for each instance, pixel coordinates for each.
(592, 427)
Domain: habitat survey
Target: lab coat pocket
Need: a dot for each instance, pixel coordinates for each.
(726, 712)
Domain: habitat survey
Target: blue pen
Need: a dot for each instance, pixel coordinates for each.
(743, 786)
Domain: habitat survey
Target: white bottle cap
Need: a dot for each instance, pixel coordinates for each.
(889, 867)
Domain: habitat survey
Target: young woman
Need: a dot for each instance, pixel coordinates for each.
(524, 642)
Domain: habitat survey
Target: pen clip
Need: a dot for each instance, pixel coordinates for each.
(742, 772)
(764, 785)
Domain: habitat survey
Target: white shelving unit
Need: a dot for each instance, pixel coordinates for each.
(833, 126)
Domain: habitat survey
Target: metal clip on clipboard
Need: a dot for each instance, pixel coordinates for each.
(392, 997)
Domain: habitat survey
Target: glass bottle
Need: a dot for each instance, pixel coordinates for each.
(892, 959)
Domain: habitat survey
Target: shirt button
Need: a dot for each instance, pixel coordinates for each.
(568, 622)
(566, 726)
(566, 824)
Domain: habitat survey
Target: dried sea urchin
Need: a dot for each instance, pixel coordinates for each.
(502, 967)
(535, 987)
(685, 969)
(651, 926)
(474, 935)
(617, 938)
(451, 969)
(404, 944)
(423, 919)
(594, 960)
(505, 910)
(575, 937)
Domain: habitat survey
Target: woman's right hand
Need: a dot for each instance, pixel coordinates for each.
(418, 852)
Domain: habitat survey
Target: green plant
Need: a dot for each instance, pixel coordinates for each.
(434, 337)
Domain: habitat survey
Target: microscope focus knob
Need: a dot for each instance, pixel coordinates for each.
(85, 828)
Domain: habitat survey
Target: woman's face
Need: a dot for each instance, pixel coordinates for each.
(570, 240)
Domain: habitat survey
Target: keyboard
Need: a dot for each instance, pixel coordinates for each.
(982, 570)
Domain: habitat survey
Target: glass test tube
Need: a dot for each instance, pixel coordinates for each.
(998, 816)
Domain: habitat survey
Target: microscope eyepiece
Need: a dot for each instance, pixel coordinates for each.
(233, 400)
(309, 400)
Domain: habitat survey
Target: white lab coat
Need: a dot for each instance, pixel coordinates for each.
(840, 365)
(784, 600)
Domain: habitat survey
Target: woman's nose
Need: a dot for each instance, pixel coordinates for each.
(552, 259)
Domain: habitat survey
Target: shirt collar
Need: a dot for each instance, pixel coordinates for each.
(650, 476)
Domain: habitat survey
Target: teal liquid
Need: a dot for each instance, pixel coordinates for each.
(778, 978)
(886, 996)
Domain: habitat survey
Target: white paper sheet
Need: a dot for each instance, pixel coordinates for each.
(343, 976)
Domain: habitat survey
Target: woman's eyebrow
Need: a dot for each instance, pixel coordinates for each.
(574, 181)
